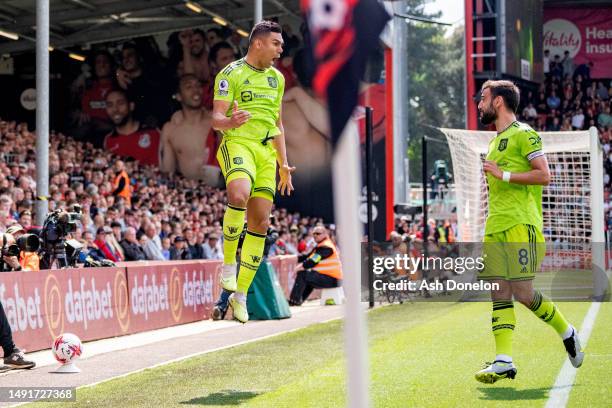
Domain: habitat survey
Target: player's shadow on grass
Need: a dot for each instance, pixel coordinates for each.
(512, 394)
(224, 397)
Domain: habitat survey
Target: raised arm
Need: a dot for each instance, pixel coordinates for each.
(168, 162)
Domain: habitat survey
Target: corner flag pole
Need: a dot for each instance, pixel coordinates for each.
(346, 182)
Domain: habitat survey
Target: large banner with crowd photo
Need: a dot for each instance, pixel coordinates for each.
(307, 134)
(585, 32)
(96, 303)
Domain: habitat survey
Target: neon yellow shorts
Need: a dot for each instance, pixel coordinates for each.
(252, 160)
(513, 254)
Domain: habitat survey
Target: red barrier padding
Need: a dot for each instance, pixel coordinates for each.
(90, 303)
(96, 303)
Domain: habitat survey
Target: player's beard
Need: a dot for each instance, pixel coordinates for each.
(488, 116)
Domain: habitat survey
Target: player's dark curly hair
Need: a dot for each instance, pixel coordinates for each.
(507, 90)
(263, 28)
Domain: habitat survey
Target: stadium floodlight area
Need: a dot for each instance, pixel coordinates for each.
(572, 203)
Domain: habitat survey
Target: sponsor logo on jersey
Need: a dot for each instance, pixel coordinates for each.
(264, 96)
(502, 145)
(144, 141)
(246, 96)
(237, 160)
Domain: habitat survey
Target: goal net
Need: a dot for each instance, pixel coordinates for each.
(572, 202)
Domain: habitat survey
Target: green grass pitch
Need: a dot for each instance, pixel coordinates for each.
(421, 355)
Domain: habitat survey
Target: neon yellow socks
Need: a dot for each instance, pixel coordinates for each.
(502, 323)
(546, 310)
(233, 224)
(250, 258)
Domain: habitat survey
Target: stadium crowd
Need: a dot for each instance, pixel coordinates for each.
(141, 207)
(169, 216)
(569, 99)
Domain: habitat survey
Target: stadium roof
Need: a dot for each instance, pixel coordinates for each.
(82, 22)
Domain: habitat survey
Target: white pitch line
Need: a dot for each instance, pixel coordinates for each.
(565, 380)
(199, 353)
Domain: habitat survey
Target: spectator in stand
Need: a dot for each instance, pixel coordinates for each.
(195, 249)
(568, 65)
(180, 251)
(187, 142)
(131, 247)
(578, 120)
(102, 245)
(114, 245)
(166, 245)
(553, 101)
(90, 247)
(602, 91)
(541, 105)
(212, 247)
(130, 138)
(556, 68)
(152, 247)
(93, 122)
(220, 56)
(116, 230)
(604, 119)
(530, 113)
(25, 219)
(555, 125)
(142, 87)
(195, 57)
(213, 36)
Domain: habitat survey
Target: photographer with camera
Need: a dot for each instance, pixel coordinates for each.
(58, 251)
(28, 248)
(19, 250)
(10, 254)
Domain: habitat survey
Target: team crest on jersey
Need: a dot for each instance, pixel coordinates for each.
(503, 144)
(144, 141)
(272, 82)
(246, 96)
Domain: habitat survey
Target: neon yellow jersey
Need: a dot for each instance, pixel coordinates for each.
(511, 204)
(260, 92)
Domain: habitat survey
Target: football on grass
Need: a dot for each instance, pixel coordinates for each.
(67, 347)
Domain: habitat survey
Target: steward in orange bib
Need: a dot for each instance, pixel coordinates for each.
(321, 268)
(121, 183)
